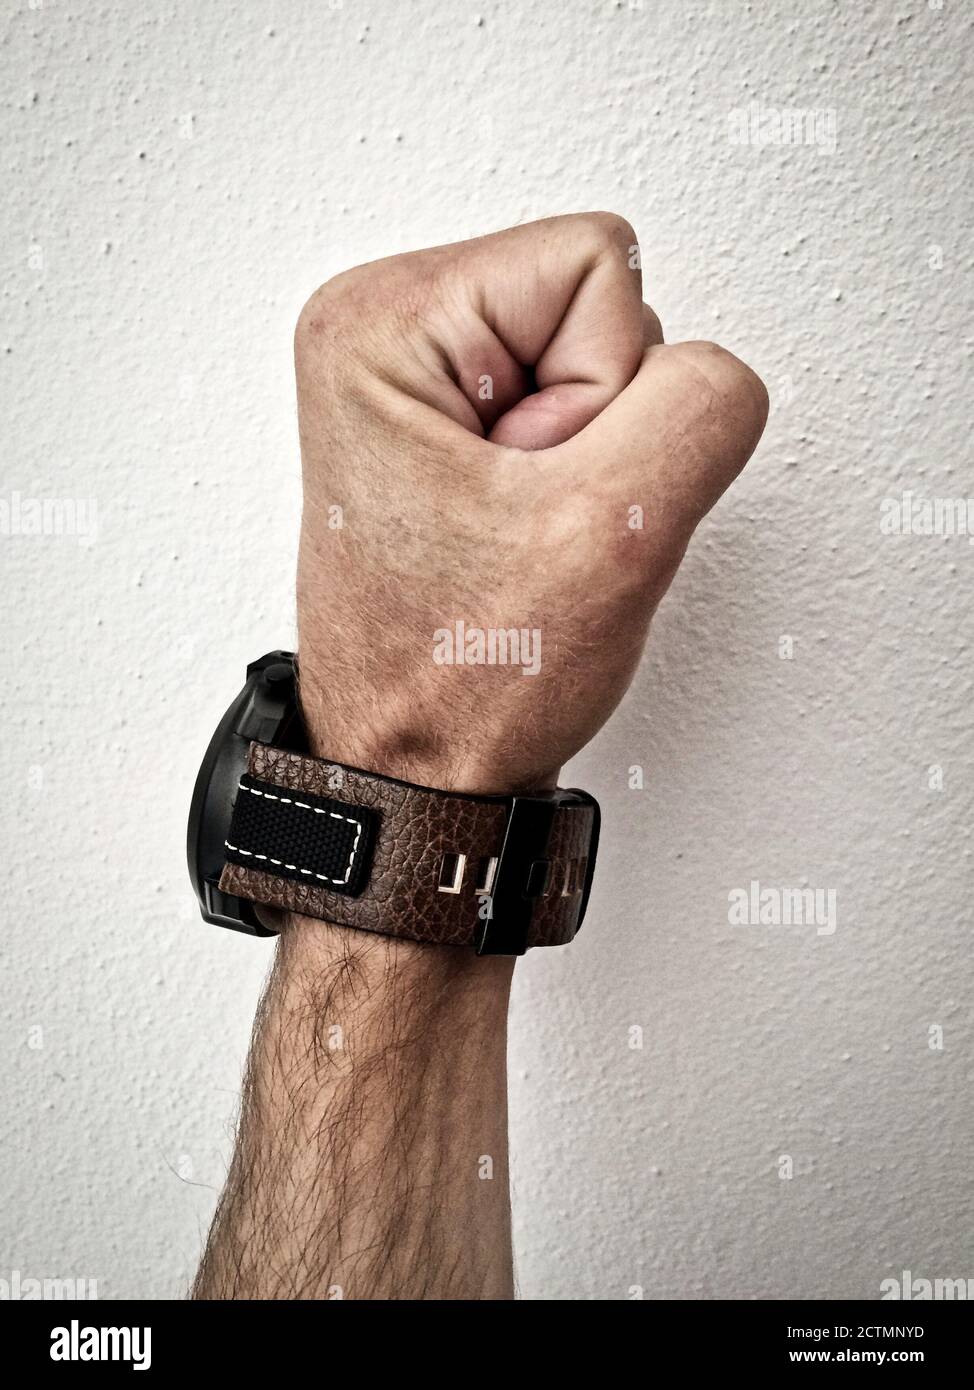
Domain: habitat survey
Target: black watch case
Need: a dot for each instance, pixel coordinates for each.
(265, 711)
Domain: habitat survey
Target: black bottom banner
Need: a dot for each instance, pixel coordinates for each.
(253, 1338)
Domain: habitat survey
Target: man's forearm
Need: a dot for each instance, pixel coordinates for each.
(371, 1160)
(494, 439)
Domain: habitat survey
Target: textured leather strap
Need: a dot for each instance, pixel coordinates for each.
(420, 859)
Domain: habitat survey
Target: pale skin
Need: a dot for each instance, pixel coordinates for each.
(486, 415)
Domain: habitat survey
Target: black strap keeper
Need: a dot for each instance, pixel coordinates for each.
(297, 835)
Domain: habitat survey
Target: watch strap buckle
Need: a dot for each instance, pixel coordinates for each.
(523, 874)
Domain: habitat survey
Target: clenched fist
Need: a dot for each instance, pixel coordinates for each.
(503, 465)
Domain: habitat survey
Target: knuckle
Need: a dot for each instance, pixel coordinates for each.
(367, 307)
(330, 308)
(610, 230)
(738, 391)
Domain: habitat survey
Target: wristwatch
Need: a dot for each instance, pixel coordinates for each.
(270, 825)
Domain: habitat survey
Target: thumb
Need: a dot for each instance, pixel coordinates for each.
(683, 428)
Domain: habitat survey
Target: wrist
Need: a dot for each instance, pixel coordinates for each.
(458, 757)
(332, 963)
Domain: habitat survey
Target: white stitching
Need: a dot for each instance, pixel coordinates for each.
(319, 811)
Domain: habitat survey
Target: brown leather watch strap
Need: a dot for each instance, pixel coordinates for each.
(426, 861)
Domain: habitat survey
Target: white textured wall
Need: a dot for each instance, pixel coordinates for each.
(176, 178)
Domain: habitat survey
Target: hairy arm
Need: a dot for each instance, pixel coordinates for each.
(372, 1154)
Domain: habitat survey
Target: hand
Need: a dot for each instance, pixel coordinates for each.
(479, 425)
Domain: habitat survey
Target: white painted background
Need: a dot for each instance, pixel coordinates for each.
(177, 177)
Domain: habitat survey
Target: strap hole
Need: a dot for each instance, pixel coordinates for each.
(486, 872)
(450, 877)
